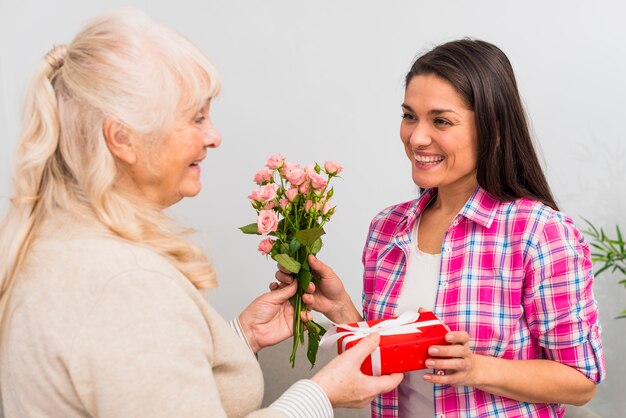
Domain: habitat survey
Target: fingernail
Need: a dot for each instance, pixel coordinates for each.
(433, 350)
(449, 338)
(427, 377)
(430, 363)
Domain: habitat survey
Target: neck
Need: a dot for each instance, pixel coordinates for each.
(450, 199)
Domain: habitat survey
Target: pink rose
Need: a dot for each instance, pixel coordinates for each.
(254, 196)
(287, 167)
(308, 205)
(333, 167)
(297, 176)
(265, 246)
(270, 205)
(263, 176)
(267, 221)
(275, 161)
(318, 182)
(327, 208)
(284, 203)
(305, 187)
(309, 169)
(292, 193)
(268, 192)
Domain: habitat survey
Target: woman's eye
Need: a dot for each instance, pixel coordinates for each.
(441, 122)
(199, 118)
(408, 116)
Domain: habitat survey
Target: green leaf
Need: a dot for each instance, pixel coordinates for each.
(250, 229)
(622, 315)
(294, 246)
(315, 332)
(309, 236)
(317, 246)
(304, 278)
(287, 262)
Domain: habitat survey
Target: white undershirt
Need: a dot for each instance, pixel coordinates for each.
(419, 290)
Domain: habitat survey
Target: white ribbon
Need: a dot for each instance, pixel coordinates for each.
(404, 324)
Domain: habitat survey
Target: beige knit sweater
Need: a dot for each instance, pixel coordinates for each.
(102, 328)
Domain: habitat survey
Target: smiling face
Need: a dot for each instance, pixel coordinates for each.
(169, 171)
(439, 135)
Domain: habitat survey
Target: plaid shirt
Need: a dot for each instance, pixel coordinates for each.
(515, 275)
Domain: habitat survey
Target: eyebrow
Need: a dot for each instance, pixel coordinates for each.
(431, 112)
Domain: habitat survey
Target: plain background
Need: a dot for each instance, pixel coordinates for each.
(324, 80)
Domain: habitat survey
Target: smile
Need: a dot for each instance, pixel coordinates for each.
(434, 159)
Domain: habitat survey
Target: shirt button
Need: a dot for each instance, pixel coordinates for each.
(455, 222)
(447, 249)
(444, 285)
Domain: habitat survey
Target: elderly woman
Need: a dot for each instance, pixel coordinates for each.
(484, 246)
(101, 312)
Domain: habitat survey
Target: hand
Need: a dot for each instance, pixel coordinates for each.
(328, 297)
(268, 320)
(458, 362)
(344, 383)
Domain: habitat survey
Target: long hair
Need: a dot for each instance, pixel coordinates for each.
(120, 65)
(507, 165)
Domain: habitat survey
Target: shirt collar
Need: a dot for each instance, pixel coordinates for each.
(481, 207)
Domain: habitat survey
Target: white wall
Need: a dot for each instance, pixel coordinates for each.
(323, 80)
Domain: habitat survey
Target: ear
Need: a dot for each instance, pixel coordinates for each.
(119, 140)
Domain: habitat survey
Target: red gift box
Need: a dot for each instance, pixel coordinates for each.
(404, 341)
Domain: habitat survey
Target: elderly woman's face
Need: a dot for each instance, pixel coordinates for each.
(171, 171)
(439, 134)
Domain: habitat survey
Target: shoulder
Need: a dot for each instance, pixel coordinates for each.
(392, 215)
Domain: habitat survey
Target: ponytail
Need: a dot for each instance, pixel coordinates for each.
(36, 148)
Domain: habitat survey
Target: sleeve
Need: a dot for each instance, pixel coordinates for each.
(561, 311)
(146, 350)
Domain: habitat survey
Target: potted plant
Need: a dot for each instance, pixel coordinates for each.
(610, 251)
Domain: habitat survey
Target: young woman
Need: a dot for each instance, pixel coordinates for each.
(484, 246)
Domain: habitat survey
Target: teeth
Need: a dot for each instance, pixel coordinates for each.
(426, 160)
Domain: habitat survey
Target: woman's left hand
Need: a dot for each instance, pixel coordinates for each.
(268, 320)
(455, 359)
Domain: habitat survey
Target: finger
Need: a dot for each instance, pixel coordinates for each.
(281, 268)
(448, 351)
(422, 310)
(448, 364)
(284, 277)
(388, 382)
(283, 293)
(320, 268)
(364, 348)
(273, 286)
(308, 299)
(457, 337)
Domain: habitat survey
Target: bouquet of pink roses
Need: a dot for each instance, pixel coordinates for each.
(292, 206)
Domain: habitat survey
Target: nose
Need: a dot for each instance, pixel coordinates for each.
(420, 136)
(212, 137)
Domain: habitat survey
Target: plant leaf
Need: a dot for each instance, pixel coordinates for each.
(317, 246)
(309, 236)
(287, 262)
(621, 315)
(250, 229)
(315, 331)
(294, 246)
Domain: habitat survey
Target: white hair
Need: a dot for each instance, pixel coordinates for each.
(121, 65)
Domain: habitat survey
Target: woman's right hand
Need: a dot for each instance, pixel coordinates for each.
(329, 297)
(344, 383)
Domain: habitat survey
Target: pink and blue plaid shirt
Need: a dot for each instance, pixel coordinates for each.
(515, 275)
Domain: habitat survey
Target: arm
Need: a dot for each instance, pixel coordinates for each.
(535, 381)
(562, 317)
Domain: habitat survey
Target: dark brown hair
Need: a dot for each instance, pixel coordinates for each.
(507, 165)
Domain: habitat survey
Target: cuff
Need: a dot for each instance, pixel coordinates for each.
(304, 399)
(236, 326)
